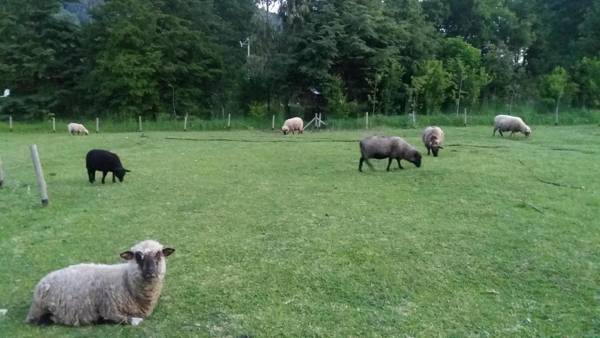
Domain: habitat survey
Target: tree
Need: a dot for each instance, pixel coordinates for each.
(144, 55)
(433, 82)
(463, 62)
(39, 58)
(554, 85)
(587, 77)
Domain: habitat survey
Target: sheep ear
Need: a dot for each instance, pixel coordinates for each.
(127, 255)
(167, 251)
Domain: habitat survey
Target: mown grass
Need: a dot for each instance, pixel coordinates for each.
(282, 236)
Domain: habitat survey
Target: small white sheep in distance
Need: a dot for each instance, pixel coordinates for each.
(95, 293)
(513, 124)
(293, 124)
(392, 147)
(76, 128)
(433, 138)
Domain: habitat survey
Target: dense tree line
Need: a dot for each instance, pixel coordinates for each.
(169, 57)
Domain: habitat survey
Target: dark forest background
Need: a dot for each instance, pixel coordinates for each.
(123, 58)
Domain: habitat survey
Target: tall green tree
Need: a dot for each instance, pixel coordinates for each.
(145, 57)
(40, 57)
(432, 82)
(554, 86)
(587, 76)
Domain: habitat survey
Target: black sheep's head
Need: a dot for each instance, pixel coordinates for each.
(416, 159)
(120, 173)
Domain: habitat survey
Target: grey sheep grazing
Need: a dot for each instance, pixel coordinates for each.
(433, 138)
(513, 124)
(96, 293)
(391, 147)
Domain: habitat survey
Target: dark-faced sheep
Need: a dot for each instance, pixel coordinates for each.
(391, 147)
(433, 138)
(104, 161)
(291, 125)
(86, 294)
(513, 124)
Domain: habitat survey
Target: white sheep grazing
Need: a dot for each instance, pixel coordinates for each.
(293, 124)
(513, 124)
(95, 293)
(433, 138)
(76, 128)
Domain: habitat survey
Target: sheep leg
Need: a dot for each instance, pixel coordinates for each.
(500, 131)
(389, 163)
(104, 176)
(362, 159)
(115, 318)
(113, 177)
(428, 150)
(92, 175)
(399, 165)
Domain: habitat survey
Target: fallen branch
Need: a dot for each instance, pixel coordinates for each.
(533, 207)
(558, 184)
(572, 149)
(473, 145)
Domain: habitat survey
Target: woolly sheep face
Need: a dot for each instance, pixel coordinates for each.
(435, 146)
(285, 130)
(149, 256)
(527, 131)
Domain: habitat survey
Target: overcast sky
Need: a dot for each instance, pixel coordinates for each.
(273, 8)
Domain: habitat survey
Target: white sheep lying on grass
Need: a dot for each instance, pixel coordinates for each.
(95, 293)
(513, 124)
(76, 128)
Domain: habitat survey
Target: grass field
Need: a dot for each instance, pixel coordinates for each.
(282, 236)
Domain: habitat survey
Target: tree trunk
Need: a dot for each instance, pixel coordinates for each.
(556, 111)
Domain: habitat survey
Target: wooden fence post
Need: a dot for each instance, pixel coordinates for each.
(10, 124)
(97, 124)
(140, 123)
(273, 122)
(39, 174)
(54, 124)
(1, 173)
(185, 118)
(229, 120)
(465, 116)
(367, 120)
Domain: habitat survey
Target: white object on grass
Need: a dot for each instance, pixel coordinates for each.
(6, 92)
(135, 321)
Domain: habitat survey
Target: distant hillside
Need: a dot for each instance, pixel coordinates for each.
(80, 9)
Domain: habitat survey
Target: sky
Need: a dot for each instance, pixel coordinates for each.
(273, 8)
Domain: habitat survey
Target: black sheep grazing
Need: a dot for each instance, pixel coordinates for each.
(104, 161)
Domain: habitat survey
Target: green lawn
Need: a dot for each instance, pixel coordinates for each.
(282, 236)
